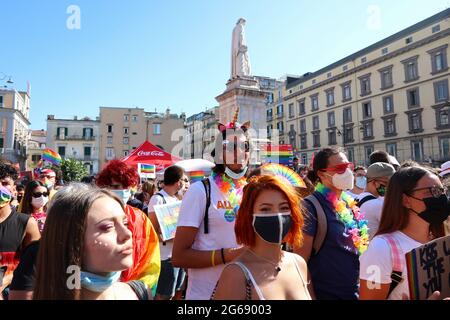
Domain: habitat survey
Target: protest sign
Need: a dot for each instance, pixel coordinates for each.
(167, 215)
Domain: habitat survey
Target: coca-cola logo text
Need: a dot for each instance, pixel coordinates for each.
(150, 153)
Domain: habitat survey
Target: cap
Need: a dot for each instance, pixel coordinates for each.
(48, 172)
(393, 161)
(445, 169)
(379, 170)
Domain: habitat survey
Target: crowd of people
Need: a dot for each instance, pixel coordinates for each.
(241, 234)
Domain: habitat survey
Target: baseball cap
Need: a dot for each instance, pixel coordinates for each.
(48, 172)
(379, 170)
(445, 169)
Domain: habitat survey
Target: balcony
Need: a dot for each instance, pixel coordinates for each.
(279, 115)
(75, 138)
(269, 118)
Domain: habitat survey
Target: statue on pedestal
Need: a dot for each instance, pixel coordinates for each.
(240, 62)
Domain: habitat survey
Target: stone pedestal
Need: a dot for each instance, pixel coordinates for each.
(243, 92)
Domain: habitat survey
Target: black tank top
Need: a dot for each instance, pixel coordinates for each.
(12, 231)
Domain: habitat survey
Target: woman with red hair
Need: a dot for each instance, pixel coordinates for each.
(120, 178)
(269, 214)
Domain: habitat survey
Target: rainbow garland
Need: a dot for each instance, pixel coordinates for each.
(353, 219)
(233, 192)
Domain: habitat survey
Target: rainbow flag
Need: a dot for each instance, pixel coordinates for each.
(51, 156)
(281, 154)
(197, 175)
(147, 168)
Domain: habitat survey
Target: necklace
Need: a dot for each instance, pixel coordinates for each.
(276, 265)
(232, 191)
(352, 218)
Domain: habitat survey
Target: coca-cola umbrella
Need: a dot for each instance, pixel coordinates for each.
(150, 154)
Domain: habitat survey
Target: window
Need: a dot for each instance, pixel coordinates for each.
(329, 75)
(365, 84)
(408, 40)
(367, 152)
(415, 121)
(109, 140)
(35, 158)
(156, 128)
(87, 151)
(436, 28)
(441, 91)
(417, 150)
(344, 68)
(62, 133)
(303, 144)
(330, 96)
(391, 148)
(368, 130)
(444, 148)
(126, 153)
(386, 77)
(384, 51)
(315, 120)
(347, 115)
(331, 137)
(316, 139)
(269, 130)
(438, 59)
(413, 97)
(126, 140)
(1, 101)
(125, 130)
(109, 128)
(109, 153)
(315, 102)
(135, 118)
(331, 119)
(301, 107)
(302, 125)
(134, 133)
(269, 114)
(411, 69)
(279, 110)
(88, 132)
(270, 98)
(62, 151)
(442, 117)
(313, 81)
(346, 91)
(389, 126)
(280, 127)
(363, 60)
(291, 110)
(126, 117)
(367, 110)
(348, 134)
(388, 105)
(351, 154)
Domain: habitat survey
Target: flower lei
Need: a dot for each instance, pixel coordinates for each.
(353, 219)
(233, 192)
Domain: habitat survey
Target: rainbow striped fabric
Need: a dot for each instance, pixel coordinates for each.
(51, 156)
(281, 154)
(197, 175)
(147, 168)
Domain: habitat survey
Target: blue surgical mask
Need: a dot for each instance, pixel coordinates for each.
(123, 194)
(272, 227)
(96, 283)
(361, 182)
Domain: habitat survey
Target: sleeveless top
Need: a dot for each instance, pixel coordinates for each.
(12, 232)
(250, 281)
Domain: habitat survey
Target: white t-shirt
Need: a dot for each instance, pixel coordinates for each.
(377, 260)
(351, 194)
(372, 212)
(201, 281)
(165, 250)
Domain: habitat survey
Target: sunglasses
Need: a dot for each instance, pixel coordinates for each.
(48, 177)
(340, 168)
(435, 191)
(231, 146)
(39, 194)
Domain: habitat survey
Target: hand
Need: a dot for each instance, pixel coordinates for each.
(233, 253)
(435, 296)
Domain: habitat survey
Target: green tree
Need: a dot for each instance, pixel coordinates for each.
(73, 170)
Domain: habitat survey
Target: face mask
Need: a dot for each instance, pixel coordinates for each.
(234, 175)
(5, 196)
(343, 181)
(94, 282)
(124, 194)
(39, 202)
(48, 184)
(272, 227)
(19, 198)
(437, 209)
(361, 182)
(381, 190)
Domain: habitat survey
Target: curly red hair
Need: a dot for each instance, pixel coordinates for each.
(245, 234)
(119, 172)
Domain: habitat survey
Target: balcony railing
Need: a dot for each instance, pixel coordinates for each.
(269, 118)
(279, 115)
(75, 137)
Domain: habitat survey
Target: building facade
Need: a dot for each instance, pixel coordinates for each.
(124, 129)
(36, 145)
(75, 139)
(201, 130)
(14, 125)
(392, 96)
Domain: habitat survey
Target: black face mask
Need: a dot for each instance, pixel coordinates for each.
(437, 209)
(272, 227)
(19, 198)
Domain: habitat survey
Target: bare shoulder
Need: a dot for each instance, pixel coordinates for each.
(299, 260)
(231, 284)
(123, 291)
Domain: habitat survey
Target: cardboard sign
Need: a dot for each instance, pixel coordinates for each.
(429, 269)
(167, 215)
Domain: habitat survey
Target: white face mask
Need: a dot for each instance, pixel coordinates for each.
(361, 182)
(234, 175)
(343, 181)
(39, 202)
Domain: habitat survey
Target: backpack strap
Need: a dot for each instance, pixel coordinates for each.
(322, 224)
(164, 199)
(397, 262)
(365, 199)
(140, 289)
(207, 186)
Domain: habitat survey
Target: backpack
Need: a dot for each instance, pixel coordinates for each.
(207, 186)
(365, 199)
(322, 224)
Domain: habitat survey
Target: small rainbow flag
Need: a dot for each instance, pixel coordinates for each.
(148, 168)
(51, 156)
(197, 175)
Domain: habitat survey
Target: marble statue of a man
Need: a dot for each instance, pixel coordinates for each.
(240, 63)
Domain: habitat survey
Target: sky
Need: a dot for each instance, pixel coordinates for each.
(176, 53)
